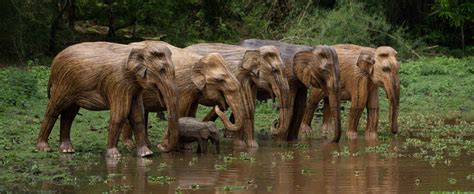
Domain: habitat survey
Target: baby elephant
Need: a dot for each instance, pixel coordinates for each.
(191, 130)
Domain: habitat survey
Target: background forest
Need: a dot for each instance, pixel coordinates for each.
(33, 29)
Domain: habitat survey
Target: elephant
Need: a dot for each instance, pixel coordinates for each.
(260, 68)
(109, 76)
(192, 130)
(196, 76)
(306, 67)
(363, 71)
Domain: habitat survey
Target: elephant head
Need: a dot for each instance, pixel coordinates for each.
(266, 66)
(384, 72)
(212, 76)
(152, 66)
(319, 68)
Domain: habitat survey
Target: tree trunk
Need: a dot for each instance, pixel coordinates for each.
(462, 40)
(71, 13)
(55, 26)
(111, 18)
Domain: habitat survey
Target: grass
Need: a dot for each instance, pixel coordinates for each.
(436, 116)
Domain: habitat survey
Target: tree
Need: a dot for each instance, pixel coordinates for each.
(457, 12)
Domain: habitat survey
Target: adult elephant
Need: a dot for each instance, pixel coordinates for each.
(363, 71)
(306, 67)
(260, 68)
(196, 76)
(102, 76)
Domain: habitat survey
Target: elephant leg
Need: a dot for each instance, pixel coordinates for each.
(327, 126)
(67, 117)
(372, 114)
(202, 146)
(55, 106)
(193, 110)
(358, 103)
(238, 136)
(127, 135)
(147, 139)
(137, 120)
(314, 97)
(119, 112)
(249, 134)
(298, 111)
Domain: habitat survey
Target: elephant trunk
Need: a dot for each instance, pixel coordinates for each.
(236, 104)
(334, 86)
(392, 89)
(282, 92)
(170, 97)
(335, 110)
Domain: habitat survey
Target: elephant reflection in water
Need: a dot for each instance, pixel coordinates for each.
(360, 172)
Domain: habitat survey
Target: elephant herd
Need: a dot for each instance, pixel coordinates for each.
(152, 76)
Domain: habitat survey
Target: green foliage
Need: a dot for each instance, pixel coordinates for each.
(349, 23)
(457, 12)
(437, 79)
(16, 87)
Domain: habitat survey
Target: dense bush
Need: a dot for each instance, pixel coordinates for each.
(349, 23)
(16, 87)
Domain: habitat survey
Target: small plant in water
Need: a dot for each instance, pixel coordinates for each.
(178, 190)
(229, 158)
(306, 171)
(286, 155)
(300, 145)
(233, 187)
(161, 179)
(194, 186)
(220, 166)
(452, 181)
(246, 157)
(121, 188)
(417, 182)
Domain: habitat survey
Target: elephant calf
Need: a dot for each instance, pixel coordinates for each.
(192, 130)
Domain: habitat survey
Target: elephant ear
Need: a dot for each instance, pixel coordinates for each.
(197, 76)
(135, 63)
(250, 61)
(366, 61)
(301, 62)
(204, 133)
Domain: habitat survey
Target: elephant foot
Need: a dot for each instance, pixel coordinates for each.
(128, 143)
(113, 152)
(144, 151)
(305, 131)
(351, 135)
(66, 147)
(370, 135)
(252, 143)
(239, 143)
(43, 146)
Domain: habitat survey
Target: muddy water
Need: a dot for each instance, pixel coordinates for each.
(309, 167)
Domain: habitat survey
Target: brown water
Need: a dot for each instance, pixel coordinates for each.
(308, 167)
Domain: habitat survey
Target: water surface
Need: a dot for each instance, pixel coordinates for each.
(311, 166)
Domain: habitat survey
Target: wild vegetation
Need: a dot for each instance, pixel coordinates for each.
(33, 28)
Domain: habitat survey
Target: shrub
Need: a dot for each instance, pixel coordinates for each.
(16, 87)
(349, 23)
